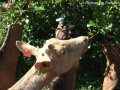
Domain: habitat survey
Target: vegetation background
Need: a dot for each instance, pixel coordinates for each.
(91, 16)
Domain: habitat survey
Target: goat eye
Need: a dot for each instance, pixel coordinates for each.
(42, 54)
(85, 39)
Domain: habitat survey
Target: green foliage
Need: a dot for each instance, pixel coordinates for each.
(99, 16)
(90, 73)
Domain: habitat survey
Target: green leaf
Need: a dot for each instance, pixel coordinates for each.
(41, 8)
(109, 26)
(43, 71)
(91, 23)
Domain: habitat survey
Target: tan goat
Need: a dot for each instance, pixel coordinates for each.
(56, 56)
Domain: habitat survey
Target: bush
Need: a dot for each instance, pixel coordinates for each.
(100, 17)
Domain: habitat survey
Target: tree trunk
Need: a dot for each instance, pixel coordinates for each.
(9, 53)
(112, 72)
(9, 56)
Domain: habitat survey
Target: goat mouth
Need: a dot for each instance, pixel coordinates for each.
(40, 65)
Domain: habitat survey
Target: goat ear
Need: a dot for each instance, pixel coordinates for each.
(26, 48)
